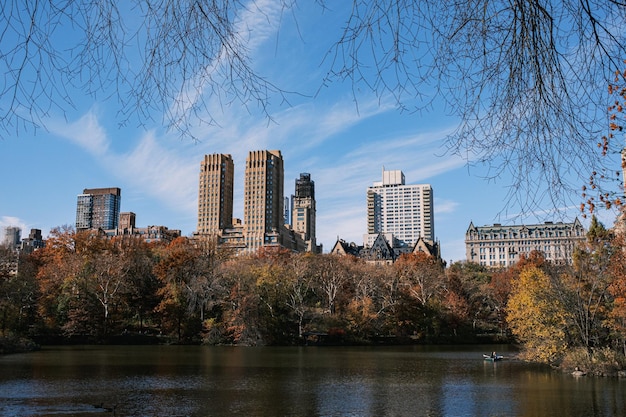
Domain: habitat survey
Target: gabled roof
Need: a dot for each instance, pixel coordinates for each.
(425, 246)
(380, 250)
(342, 247)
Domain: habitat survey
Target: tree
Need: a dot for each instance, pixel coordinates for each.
(536, 317)
(299, 277)
(601, 189)
(584, 291)
(177, 269)
(421, 276)
(525, 78)
(56, 278)
(616, 319)
(330, 278)
(141, 283)
(467, 294)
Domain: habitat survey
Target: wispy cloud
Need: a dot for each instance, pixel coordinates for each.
(443, 206)
(6, 221)
(160, 172)
(85, 132)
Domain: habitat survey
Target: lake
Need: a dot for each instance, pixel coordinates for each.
(162, 381)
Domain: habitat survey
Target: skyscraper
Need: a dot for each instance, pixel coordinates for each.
(402, 212)
(11, 236)
(263, 199)
(215, 194)
(303, 216)
(98, 208)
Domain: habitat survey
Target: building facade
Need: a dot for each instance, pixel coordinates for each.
(269, 219)
(303, 214)
(263, 208)
(215, 194)
(11, 237)
(98, 208)
(502, 246)
(403, 213)
(150, 234)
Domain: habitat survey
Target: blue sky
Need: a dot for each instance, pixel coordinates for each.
(322, 131)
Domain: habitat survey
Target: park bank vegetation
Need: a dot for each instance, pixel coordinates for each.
(84, 287)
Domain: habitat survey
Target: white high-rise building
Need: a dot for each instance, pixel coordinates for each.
(403, 213)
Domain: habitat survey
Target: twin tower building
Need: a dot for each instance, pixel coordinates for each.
(269, 219)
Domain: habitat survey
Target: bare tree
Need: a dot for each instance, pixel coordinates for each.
(526, 78)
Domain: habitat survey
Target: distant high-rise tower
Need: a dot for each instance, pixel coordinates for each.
(127, 221)
(98, 208)
(263, 199)
(215, 195)
(12, 236)
(403, 211)
(303, 216)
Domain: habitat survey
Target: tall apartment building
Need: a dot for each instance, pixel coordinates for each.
(11, 237)
(215, 194)
(263, 199)
(303, 214)
(98, 208)
(402, 213)
(502, 246)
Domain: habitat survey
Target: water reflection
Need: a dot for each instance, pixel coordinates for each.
(311, 381)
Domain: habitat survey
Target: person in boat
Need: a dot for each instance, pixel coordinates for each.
(493, 355)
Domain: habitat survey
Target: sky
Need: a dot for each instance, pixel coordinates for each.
(342, 141)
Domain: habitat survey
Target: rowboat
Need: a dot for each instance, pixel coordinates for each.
(492, 358)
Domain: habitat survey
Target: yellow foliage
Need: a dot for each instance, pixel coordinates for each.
(535, 316)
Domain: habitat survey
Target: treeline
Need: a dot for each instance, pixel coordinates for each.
(83, 286)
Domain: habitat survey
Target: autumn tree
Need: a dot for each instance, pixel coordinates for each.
(177, 269)
(421, 275)
(500, 285)
(616, 317)
(140, 298)
(421, 280)
(58, 280)
(299, 287)
(17, 292)
(240, 317)
(104, 272)
(330, 278)
(605, 187)
(273, 287)
(366, 306)
(584, 291)
(467, 297)
(536, 317)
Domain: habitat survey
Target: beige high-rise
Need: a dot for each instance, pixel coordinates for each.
(215, 194)
(303, 216)
(263, 199)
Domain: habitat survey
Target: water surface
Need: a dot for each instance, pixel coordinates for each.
(294, 381)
